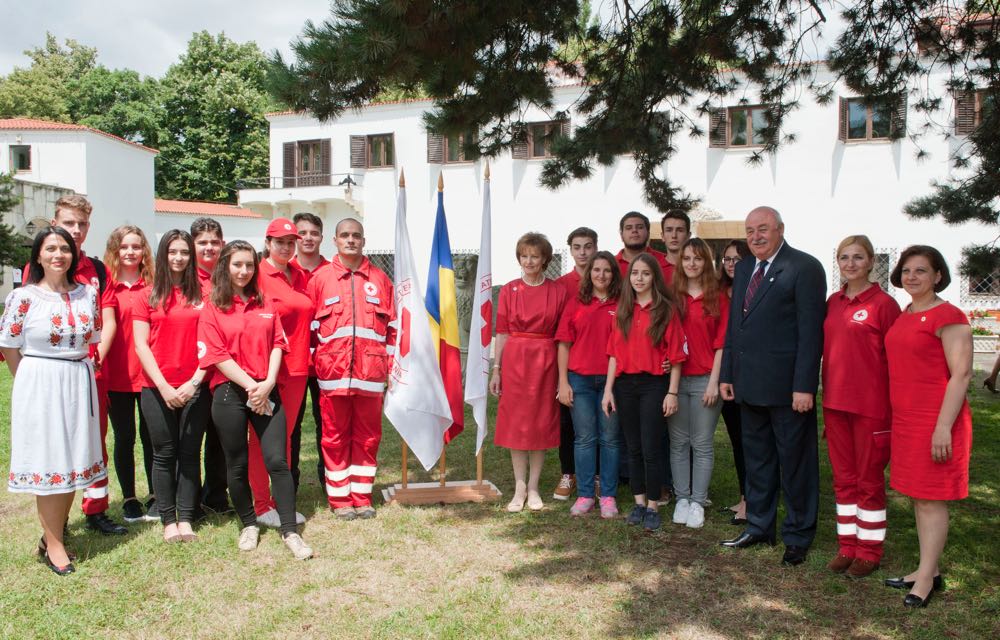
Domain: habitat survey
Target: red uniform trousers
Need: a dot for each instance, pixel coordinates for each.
(352, 431)
(95, 497)
(292, 391)
(859, 451)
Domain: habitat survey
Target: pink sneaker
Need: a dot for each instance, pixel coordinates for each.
(582, 506)
(609, 508)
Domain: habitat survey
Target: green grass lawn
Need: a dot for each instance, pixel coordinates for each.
(473, 570)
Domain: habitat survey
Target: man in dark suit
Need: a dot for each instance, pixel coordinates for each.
(770, 365)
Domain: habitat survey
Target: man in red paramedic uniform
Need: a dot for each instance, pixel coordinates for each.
(356, 313)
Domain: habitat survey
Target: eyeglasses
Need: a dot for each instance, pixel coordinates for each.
(728, 260)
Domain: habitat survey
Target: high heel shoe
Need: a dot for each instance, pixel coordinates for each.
(43, 547)
(64, 570)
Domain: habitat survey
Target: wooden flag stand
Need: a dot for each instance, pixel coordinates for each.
(442, 492)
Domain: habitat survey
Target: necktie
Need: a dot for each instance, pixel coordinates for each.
(758, 277)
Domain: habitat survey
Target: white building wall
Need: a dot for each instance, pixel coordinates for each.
(825, 189)
(120, 188)
(233, 228)
(58, 158)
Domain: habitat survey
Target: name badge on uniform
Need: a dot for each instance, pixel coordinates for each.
(372, 300)
(333, 300)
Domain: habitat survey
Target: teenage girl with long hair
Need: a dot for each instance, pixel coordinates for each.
(647, 331)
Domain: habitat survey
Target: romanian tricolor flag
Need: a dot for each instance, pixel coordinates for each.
(443, 312)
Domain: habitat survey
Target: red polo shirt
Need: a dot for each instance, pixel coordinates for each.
(296, 308)
(638, 354)
(855, 370)
(121, 366)
(205, 280)
(295, 262)
(571, 281)
(705, 334)
(661, 259)
(173, 335)
(587, 327)
(246, 334)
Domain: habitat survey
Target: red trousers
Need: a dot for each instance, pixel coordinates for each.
(95, 497)
(352, 431)
(292, 391)
(859, 452)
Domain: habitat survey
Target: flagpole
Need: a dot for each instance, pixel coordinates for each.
(406, 449)
(443, 469)
(479, 454)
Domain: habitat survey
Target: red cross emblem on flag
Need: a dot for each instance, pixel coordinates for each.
(404, 333)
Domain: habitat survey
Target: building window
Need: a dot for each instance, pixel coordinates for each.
(447, 149)
(20, 157)
(746, 125)
(861, 120)
(306, 163)
(971, 108)
(535, 139)
(372, 151)
(885, 260)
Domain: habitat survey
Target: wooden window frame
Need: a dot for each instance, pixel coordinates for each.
(384, 164)
(13, 149)
(897, 110)
(551, 127)
(750, 144)
(314, 150)
(446, 145)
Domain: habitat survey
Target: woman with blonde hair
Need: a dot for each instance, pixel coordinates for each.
(129, 260)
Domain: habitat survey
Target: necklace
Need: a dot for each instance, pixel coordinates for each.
(933, 303)
(533, 284)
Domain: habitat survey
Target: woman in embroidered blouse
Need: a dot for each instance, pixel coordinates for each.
(45, 332)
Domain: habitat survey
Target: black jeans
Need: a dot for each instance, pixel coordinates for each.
(639, 399)
(567, 458)
(312, 388)
(176, 435)
(121, 413)
(231, 414)
(213, 492)
(731, 416)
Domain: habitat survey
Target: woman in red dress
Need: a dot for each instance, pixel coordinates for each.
(528, 314)
(930, 364)
(856, 406)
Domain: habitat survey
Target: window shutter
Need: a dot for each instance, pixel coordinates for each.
(842, 127)
(359, 152)
(965, 112)
(897, 119)
(288, 164)
(564, 127)
(324, 162)
(718, 128)
(519, 150)
(435, 148)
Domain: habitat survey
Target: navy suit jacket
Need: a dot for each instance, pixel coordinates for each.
(775, 348)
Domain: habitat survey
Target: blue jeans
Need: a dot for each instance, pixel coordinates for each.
(591, 427)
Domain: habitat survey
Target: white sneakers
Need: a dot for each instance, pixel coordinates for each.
(270, 519)
(298, 546)
(695, 516)
(681, 511)
(249, 538)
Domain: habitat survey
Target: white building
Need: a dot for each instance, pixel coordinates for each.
(237, 223)
(50, 159)
(842, 175)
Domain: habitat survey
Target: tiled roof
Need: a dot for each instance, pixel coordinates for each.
(32, 124)
(209, 209)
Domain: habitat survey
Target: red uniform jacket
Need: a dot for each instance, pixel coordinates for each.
(356, 312)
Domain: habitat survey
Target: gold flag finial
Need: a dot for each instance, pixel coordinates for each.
(402, 179)
(441, 181)
(486, 175)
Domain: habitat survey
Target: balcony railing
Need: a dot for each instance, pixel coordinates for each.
(306, 180)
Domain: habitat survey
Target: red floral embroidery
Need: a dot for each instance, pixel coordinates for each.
(24, 306)
(55, 479)
(84, 318)
(15, 329)
(54, 339)
(56, 320)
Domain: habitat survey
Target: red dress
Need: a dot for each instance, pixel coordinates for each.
(528, 412)
(918, 375)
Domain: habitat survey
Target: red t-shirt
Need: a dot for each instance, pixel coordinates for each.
(246, 334)
(571, 281)
(121, 366)
(855, 369)
(296, 309)
(661, 259)
(173, 335)
(587, 327)
(705, 334)
(638, 354)
(295, 263)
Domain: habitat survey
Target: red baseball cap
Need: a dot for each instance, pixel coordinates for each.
(281, 228)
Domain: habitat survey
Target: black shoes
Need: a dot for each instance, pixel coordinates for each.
(794, 555)
(636, 516)
(737, 521)
(102, 523)
(746, 540)
(64, 570)
(900, 583)
(132, 511)
(651, 521)
(914, 601)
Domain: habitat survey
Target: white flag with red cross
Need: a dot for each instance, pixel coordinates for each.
(477, 367)
(416, 402)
